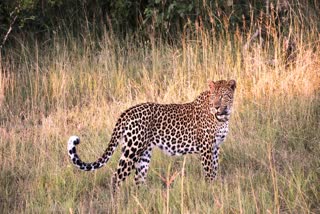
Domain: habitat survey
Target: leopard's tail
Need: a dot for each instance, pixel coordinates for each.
(75, 140)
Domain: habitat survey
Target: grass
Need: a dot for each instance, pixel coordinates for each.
(269, 163)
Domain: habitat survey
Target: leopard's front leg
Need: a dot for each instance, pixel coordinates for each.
(209, 160)
(215, 160)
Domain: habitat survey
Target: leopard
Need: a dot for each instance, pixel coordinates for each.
(198, 127)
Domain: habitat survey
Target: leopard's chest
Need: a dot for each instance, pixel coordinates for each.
(221, 134)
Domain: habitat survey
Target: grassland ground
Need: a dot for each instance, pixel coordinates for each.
(269, 163)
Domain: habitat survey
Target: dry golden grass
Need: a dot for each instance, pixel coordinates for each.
(269, 163)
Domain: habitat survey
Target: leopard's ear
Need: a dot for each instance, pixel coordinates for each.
(211, 85)
(232, 84)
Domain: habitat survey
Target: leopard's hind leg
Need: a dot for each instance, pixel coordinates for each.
(125, 166)
(142, 166)
(128, 160)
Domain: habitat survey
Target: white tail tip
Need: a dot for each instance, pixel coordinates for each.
(73, 141)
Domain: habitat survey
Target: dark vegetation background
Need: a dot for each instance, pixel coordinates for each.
(41, 19)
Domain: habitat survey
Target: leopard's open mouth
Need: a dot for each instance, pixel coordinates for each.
(223, 113)
(222, 117)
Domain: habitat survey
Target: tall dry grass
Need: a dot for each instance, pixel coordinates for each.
(269, 163)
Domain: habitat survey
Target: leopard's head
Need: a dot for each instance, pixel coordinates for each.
(221, 99)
